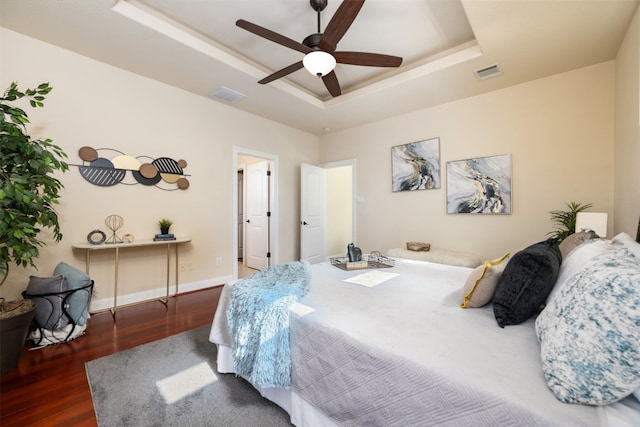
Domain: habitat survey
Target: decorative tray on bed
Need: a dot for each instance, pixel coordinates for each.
(373, 260)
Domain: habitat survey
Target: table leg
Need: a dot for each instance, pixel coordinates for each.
(115, 284)
(176, 245)
(165, 300)
(87, 261)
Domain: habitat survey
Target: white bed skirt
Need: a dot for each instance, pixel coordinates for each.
(302, 413)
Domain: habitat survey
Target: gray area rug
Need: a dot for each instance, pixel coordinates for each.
(174, 382)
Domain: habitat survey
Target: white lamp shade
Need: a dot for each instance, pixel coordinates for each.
(319, 63)
(596, 221)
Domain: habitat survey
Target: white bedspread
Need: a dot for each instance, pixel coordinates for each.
(487, 375)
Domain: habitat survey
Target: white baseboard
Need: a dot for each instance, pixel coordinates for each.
(107, 303)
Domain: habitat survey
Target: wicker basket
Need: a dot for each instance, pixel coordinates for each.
(418, 246)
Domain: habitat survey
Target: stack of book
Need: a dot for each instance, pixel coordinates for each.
(162, 237)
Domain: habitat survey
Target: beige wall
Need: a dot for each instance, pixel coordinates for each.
(101, 106)
(558, 130)
(627, 146)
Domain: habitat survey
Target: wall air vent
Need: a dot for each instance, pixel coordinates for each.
(488, 72)
(227, 95)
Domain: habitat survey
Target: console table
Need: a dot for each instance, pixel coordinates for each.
(88, 248)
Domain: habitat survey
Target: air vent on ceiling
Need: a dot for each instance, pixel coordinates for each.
(488, 72)
(227, 95)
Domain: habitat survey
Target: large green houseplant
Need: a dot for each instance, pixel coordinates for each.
(566, 220)
(28, 193)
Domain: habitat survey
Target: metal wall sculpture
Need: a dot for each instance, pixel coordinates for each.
(163, 172)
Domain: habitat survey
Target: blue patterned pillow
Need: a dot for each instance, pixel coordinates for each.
(589, 333)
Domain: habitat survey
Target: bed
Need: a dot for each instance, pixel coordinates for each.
(403, 352)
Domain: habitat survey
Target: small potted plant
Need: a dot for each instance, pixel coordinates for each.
(165, 224)
(28, 193)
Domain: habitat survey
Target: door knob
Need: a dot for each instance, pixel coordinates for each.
(304, 223)
(248, 221)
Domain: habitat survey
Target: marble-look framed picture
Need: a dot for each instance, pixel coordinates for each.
(480, 185)
(416, 165)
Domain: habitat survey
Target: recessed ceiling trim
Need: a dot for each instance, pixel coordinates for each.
(156, 21)
(164, 25)
(449, 58)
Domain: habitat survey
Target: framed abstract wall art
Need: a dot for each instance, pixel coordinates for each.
(416, 166)
(481, 185)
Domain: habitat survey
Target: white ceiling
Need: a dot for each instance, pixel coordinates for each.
(195, 45)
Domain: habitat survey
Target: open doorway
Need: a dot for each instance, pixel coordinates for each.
(255, 185)
(341, 206)
(327, 209)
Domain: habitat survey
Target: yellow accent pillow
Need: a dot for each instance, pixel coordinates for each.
(481, 283)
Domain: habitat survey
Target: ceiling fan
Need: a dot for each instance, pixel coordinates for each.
(320, 48)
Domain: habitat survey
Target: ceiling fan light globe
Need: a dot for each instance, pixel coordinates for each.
(319, 63)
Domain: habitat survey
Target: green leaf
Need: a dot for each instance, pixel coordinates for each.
(28, 190)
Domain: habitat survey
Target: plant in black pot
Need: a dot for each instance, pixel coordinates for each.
(165, 224)
(28, 193)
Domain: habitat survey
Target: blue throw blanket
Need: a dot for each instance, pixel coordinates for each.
(258, 318)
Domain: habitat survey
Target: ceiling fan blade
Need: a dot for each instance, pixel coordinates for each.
(285, 71)
(367, 59)
(273, 36)
(331, 82)
(339, 24)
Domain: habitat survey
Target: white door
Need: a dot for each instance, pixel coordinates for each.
(256, 211)
(312, 213)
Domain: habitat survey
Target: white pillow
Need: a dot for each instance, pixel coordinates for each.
(589, 332)
(623, 239)
(577, 260)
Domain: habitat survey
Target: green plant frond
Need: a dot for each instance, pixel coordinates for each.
(565, 221)
(28, 191)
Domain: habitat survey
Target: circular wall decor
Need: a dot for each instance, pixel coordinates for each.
(96, 237)
(162, 172)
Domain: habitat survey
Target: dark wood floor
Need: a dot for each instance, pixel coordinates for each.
(49, 387)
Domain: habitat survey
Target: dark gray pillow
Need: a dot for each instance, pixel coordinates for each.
(48, 294)
(526, 282)
(78, 302)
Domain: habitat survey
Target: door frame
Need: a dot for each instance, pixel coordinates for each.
(273, 197)
(241, 167)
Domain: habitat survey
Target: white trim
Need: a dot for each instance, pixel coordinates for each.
(150, 18)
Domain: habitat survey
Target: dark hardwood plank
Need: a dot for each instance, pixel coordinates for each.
(50, 388)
